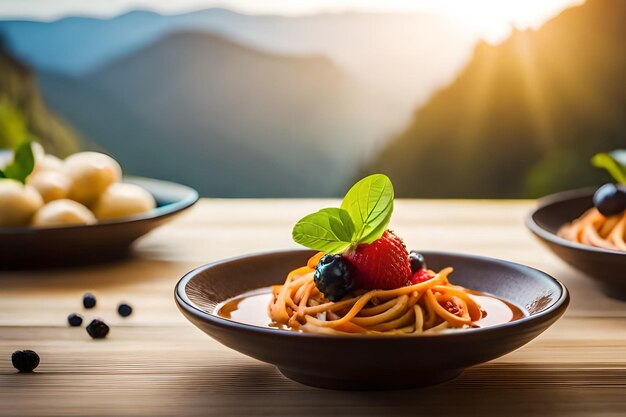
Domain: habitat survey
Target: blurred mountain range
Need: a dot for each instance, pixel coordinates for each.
(404, 57)
(239, 105)
(524, 117)
(23, 113)
(224, 118)
(248, 105)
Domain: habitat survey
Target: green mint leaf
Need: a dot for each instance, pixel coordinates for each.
(614, 162)
(329, 230)
(340, 222)
(2, 174)
(23, 163)
(370, 204)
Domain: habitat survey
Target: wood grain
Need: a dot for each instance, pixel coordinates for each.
(155, 363)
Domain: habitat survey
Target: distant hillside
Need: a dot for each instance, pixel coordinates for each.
(225, 118)
(24, 114)
(110, 123)
(524, 117)
(403, 56)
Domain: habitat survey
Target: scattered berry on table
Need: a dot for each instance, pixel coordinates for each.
(417, 261)
(97, 329)
(89, 300)
(124, 310)
(74, 320)
(332, 277)
(25, 360)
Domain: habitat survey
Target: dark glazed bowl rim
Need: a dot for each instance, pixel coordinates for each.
(549, 236)
(191, 197)
(554, 310)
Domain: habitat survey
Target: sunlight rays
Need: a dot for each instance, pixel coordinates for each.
(532, 86)
(480, 93)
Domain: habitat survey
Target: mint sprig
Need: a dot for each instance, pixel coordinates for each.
(370, 204)
(22, 165)
(363, 217)
(329, 230)
(614, 162)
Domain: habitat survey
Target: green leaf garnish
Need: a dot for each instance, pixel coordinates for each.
(370, 204)
(614, 162)
(363, 217)
(22, 165)
(329, 230)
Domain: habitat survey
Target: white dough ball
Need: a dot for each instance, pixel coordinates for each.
(38, 151)
(48, 163)
(18, 203)
(63, 213)
(121, 200)
(52, 185)
(90, 173)
(6, 156)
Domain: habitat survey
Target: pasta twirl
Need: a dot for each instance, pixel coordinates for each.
(425, 307)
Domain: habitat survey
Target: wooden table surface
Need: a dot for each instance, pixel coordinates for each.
(155, 363)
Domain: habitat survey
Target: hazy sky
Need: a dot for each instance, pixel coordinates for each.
(490, 18)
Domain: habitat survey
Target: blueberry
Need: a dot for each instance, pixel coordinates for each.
(332, 277)
(610, 199)
(97, 329)
(89, 300)
(74, 320)
(417, 261)
(25, 360)
(124, 310)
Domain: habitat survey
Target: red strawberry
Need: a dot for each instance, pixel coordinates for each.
(420, 276)
(384, 264)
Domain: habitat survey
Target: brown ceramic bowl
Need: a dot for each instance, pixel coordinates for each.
(30, 247)
(372, 362)
(607, 267)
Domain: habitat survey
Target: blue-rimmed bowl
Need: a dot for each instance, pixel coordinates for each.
(607, 267)
(372, 362)
(38, 247)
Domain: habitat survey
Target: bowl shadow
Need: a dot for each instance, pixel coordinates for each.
(518, 389)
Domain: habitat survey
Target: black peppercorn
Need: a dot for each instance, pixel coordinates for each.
(74, 320)
(25, 360)
(97, 329)
(89, 300)
(124, 310)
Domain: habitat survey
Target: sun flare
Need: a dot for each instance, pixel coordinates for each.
(493, 19)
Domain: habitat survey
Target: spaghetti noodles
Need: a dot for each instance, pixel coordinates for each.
(595, 229)
(426, 307)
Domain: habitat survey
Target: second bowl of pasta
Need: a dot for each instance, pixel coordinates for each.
(569, 225)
